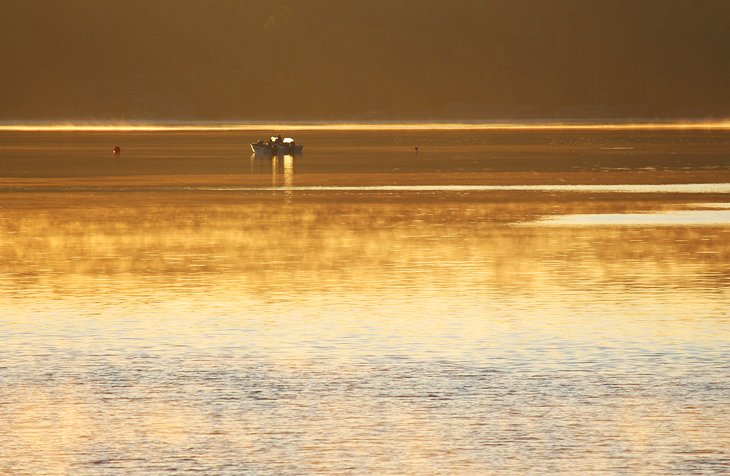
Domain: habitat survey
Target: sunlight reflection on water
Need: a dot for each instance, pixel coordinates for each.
(672, 218)
(618, 188)
(348, 337)
(288, 186)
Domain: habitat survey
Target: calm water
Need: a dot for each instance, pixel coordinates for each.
(351, 312)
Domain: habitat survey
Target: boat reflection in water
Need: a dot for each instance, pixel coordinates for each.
(277, 166)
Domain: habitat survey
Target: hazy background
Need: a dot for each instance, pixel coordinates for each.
(363, 60)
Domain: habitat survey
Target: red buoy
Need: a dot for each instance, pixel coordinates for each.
(117, 150)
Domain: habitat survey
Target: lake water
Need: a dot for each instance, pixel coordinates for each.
(500, 302)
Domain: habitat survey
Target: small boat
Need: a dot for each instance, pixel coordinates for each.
(277, 146)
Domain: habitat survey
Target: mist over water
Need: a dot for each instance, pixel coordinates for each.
(496, 303)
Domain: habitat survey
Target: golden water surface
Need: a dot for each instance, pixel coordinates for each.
(356, 310)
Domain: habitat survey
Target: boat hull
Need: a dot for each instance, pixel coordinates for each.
(278, 149)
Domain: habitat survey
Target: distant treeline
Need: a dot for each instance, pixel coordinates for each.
(363, 59)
